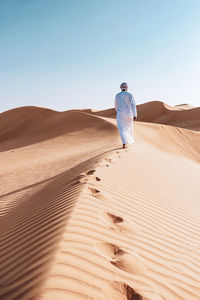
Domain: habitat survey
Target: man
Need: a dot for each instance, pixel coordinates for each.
(126, 113)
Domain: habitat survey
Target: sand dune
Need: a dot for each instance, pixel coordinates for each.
(183, 115)
(184, 106)
(28, 125)
(81, 218)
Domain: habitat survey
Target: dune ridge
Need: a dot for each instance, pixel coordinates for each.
(160, 113)
(28, 125)
(81, 218)
(183, 115)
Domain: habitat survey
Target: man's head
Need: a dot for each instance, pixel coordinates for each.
(124, 86)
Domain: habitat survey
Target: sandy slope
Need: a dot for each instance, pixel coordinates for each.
(81, 218)
(183, 115)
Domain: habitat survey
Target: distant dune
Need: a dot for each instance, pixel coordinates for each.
(28, 125)
(183, 115)
(81, 218)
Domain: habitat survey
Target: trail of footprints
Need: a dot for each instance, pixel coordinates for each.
(122, 259)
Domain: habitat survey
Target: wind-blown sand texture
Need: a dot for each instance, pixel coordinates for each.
(81, 218)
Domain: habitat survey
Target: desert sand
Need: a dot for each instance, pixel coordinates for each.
(81, 218)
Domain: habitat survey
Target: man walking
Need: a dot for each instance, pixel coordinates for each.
(126, 114)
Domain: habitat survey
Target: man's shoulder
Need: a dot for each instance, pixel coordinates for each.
(124, 93)
(118, 94)
(129, 94)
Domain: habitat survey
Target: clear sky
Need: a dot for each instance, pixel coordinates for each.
(66, 54)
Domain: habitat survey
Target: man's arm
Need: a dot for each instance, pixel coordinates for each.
(133, 108)
(116, 103)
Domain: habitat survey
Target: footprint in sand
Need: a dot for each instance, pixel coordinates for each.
(94, 192)
(89, 172)
(116, 222)
(131, 263)
(109, 251)
(103, 196)
(108, 159)
(102, 165)
(118, 290)
(89, 179)
(111, 161)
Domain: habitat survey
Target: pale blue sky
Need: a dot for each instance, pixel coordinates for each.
(66, 54)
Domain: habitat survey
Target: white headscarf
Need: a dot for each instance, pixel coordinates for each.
(124, 85)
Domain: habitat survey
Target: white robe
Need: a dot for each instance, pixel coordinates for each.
(126, 111)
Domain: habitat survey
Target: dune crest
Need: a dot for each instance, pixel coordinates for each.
(183, 115)
(158, 112)
(29, 125)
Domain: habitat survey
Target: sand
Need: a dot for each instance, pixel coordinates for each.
(81, 218)
(183, 115)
